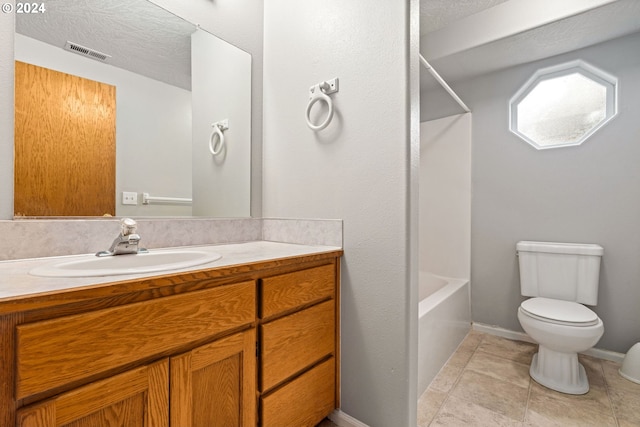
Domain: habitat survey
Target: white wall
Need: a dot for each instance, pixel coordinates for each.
(221, 90)
(445, 196)
(153, 127)
(362, 169)
(587, 193)
(7, 26)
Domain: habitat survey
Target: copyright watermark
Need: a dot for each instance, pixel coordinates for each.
(26, 8)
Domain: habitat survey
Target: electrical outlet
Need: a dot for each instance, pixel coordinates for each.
(129, 198)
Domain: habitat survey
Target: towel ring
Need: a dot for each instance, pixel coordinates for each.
(318, 94)
(218, 129)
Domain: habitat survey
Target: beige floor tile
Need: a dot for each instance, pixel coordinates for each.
(500, 368)
(485, 383)
(428, 405)
(471, 341)
(458, 412)
(492, 393)
(593, 367)
(460, 358)
(626, 404)
(613, 378)
(446, 378)
(518, 351)
(554, 408)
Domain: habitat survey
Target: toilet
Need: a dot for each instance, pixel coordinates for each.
(560, 278)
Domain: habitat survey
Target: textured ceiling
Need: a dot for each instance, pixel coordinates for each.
(435, 14)
(595, 26)
(139, 35)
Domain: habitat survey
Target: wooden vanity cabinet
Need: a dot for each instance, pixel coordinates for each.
(238, 346)
(298, 347)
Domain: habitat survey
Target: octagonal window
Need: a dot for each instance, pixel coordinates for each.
(563, 105)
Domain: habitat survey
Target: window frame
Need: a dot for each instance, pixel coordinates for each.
(587, 70)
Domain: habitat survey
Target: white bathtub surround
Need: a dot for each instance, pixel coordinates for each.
(445, 319)
(445, 243)
(445, 196)
(58, 237)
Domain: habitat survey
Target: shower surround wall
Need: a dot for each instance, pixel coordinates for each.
(361, 168)
(445, 196)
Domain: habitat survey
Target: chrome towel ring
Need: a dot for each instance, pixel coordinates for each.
(321, 92)
(218, 130)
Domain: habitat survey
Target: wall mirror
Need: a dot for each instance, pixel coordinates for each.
(115, 99)
(563, 105)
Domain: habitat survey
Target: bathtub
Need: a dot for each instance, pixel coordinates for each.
(445, 319)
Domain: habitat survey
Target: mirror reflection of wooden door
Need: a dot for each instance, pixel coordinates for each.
(65, 144)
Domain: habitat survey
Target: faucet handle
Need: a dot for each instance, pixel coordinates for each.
(128, 226)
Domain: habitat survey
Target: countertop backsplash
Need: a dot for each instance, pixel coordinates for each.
(35, 238)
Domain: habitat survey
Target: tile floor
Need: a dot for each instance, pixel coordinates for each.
(486, 383)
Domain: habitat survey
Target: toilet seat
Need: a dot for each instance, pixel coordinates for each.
(559, 312)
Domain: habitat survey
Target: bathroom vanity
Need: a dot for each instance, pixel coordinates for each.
(251, 339)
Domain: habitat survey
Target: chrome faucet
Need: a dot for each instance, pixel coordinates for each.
(126, 242)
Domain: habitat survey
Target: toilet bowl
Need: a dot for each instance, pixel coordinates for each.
(562, 329)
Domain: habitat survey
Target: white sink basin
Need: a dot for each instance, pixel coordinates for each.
(91, 266)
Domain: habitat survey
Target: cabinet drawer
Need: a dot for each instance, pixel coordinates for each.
(291, 290)
(294, 342)
(304, 401)
(56, 352)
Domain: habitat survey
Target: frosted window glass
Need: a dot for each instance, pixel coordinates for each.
(563, 108)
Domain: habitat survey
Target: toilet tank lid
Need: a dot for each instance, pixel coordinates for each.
(560, 248)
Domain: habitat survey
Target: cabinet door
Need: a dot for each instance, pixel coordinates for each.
(136, 398)
(215, 384)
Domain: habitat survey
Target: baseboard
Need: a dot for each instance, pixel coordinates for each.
(521, 336)
(344, 420)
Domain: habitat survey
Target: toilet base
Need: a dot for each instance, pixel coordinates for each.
(559, 371)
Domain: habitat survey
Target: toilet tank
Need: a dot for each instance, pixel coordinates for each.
(566, 271)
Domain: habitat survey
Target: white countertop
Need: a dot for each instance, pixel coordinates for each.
(15, 280)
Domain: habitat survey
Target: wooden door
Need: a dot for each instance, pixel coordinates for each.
(137, 398)
(215, 385)
(65, 144)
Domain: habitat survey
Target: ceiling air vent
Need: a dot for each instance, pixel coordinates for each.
(85, 51)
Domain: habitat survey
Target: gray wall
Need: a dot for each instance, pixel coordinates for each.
(363, 169)
(589, 193)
